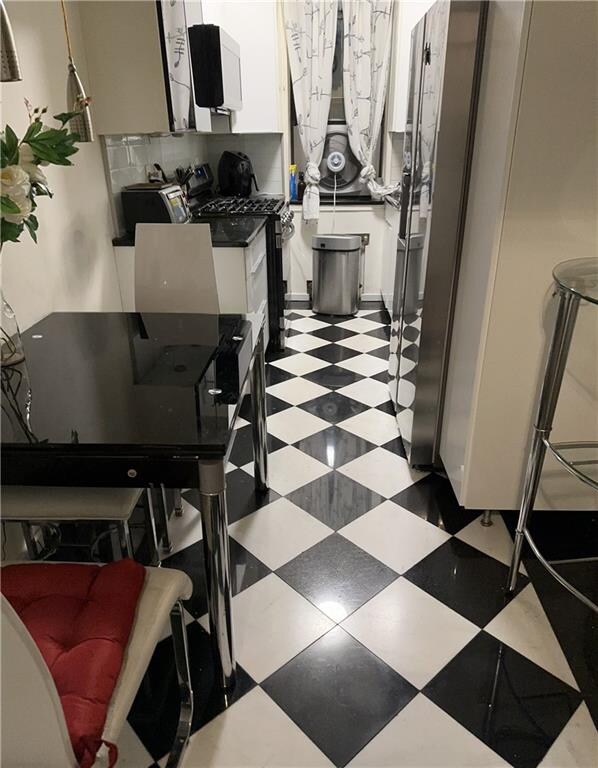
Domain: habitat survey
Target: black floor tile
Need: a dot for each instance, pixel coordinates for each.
(331, 319)
(275, 405)
(332, 333)
(382, 352)
(577, 539)
(383, 376)
(335, 499)
(410, 352)
(275, 375)
(465, 579)
(397, 446)
(241, 496)
(333, 377)
(381, 316)
(294, 315)
(242, 452)
(334, 446)
(575, 625)
(279, 354)
(433, 500)
(379, 333)
(155, 711)
(333, 353)
(333, 407)
(245, 568)
(410, 333)
(339, 694)
(336, 576)
(386, 407)
(291, 331)
(511, 704)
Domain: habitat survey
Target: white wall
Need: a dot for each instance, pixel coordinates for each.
(356, 219)
(72, 267)
(547, 212)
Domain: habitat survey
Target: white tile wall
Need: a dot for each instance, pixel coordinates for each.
(263, 149)
(128, 158)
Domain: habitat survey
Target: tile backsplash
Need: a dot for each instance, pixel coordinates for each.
(128, 158)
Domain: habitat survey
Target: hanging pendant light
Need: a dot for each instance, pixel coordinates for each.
(11, 71)
(75, 93)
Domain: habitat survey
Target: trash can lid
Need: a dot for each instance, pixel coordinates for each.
(336, 242)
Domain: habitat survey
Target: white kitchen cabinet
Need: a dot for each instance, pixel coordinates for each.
(407, 15)
(241, 278)
(253, 24)
(138, 65)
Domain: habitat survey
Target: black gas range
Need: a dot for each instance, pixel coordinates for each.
(279, 227)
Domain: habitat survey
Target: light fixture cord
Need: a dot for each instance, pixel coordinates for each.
(66, 31)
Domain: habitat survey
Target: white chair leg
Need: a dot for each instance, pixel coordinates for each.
(181, 656)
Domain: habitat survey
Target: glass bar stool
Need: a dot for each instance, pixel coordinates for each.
(576, 280)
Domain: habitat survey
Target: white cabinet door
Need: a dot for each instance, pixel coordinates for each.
(194, 15)
(253, 24)
(408, 13)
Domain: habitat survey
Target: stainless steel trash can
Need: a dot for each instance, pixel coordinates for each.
(335, 283)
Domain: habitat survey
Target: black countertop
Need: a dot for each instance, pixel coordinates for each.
(233, 232)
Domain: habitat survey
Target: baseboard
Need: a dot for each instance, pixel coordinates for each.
(305, 297)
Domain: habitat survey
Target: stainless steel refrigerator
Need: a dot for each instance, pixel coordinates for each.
(445, 67)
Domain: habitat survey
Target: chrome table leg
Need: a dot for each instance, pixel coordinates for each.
(553, 378)
(178, 503)
(181, 658)
(258, 400)
(30, 541)
(163, 506)
(214, 520)
(151, 529)
(126, 538)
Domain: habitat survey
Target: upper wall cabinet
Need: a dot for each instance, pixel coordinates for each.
(139, 67)
(407, 15)
(254, 26)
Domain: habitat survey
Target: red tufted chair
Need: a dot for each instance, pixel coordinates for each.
(76, 641)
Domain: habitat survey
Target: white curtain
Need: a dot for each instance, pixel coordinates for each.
(310, 27)
(367, 50)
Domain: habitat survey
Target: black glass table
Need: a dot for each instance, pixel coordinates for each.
(143, 400)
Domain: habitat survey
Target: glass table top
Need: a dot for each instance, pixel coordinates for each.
(135, 379)
(579, 276)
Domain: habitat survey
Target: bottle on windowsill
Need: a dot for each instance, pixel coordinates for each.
(301, 187)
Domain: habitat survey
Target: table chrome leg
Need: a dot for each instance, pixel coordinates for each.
(258, 400)
(178, 503)
(30, 542)
(553, 378)
(152, 533)
(163, 507)
(214, 519)
(181, 657)
(486, 520)
(126, 538)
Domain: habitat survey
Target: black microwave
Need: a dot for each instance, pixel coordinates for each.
(216, 68)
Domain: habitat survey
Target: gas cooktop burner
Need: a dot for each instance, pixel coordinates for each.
(241, 205)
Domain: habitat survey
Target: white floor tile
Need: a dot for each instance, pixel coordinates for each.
(423, 736)
(395, 536)
(304, 312)
(294, 424)
(305, 342)
(185, 530)
(359, 325)
(382, 471)
(253, 733)
(365, 365)
(289, 469)
(367, 391)
(402, 625)
(577, 744)
(524, 626)
(373, 425)
(131, 752)
(273, 623)
(240, 422)
(366, 312)
(300, 364)
(297, 390)
(307, 324)
(362, 343)
(493, 540)
(278, 532)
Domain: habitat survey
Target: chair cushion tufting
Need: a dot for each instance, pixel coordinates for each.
(80, 617)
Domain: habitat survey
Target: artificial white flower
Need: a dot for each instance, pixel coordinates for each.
(15, 184)
(28, 164)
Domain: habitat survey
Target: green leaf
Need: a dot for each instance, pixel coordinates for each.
(65, 117)
(33, 130)
(32, 224)
(10, 147)
(3, 154)
(10, 232)
(8, 206)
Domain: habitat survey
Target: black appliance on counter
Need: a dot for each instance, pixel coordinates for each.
(235, 174)
(205, 205)
(154, 203)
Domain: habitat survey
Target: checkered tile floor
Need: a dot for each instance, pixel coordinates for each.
(371, 628)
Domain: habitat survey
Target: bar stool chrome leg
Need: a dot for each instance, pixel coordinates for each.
(553, 378)
(151, 529)
(178, 503)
